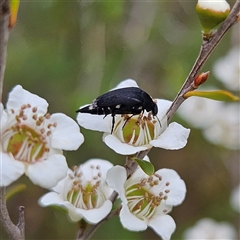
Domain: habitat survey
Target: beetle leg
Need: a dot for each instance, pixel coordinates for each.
(113, 121)
(158, 120)
(127, 120)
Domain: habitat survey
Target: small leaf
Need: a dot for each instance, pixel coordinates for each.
(219, 95)
(146, 166)
(14, 5)
(14, 190)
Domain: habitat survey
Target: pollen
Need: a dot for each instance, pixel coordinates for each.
(136, 130)
(85, 193)
(26, 140)
(142, 200)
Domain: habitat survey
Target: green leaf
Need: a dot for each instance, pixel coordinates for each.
(14, 190)
(219, 95)
(146, 166)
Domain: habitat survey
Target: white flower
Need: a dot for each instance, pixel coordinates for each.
(225, 130)
(219, 121)
(227, 69)
(235, 198)
(139, 132)
(32, 140)
(200, 112)
(146, 200)
(208, 229)
(84, 192)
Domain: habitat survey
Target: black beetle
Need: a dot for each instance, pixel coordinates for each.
(128, 100)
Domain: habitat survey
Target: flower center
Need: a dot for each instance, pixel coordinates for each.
(137, 130)
(141, 200)
(83, 193)
(27, 138)
(25, 144)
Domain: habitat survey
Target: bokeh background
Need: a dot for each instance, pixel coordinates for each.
(69, 52)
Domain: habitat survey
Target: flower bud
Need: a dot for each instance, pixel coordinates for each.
(200, 79)
(211, 13)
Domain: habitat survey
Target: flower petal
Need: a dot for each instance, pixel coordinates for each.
(177, 186)
(53, 198)
(50, 198)
(10, 169)
(47, 173)
(19, 96)
(102, 165)
(95, 215)
(163, 106)
(67, 134)
(95, 122)
(59, 188)
(117, 183)
(174, 137)
(126, 83)
(163, 225)
(130, 221)
(121, 148)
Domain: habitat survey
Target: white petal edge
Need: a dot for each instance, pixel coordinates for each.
(95, 215)
(126, 83)
(19, 96)
(117, 183)
(174, 137)
(121, 148)
(49, 172)
(54, 199)
(130, 221)
(67, 134)
(10, 169)
(51, 198)
(95, 122)
(163, 225)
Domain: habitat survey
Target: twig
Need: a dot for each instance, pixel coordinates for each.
(4, 34)
(14, 232)
(207, 48)
(21, 221)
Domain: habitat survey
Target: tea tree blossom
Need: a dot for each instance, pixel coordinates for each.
(227, 69)
(209, 229)
(222, 125)
(32, 140)
(147, 200)
(83, 192)
(134, 133)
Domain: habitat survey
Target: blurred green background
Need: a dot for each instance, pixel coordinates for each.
(69, 52)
